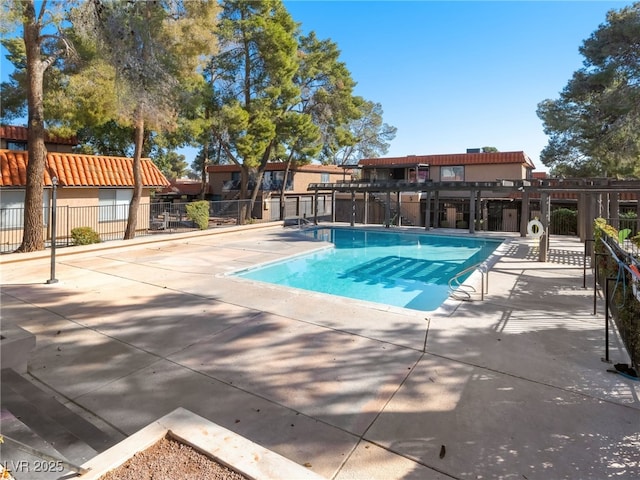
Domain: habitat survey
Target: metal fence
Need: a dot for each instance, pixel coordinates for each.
(110, 221)
(627, 227)
(615, 262)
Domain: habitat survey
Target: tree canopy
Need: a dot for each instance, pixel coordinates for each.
(153, 50)
(253, 80)
(594, 126)
(236, 78)
(42, 44)
(364, 136)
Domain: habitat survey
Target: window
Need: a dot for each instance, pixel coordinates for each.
(324, 178)
(12, 208)
(13, 145)
(452, 174)
(113, 204)
(419, 175)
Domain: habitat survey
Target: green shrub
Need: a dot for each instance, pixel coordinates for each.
(630, 215)
(198, 212)
(629, 220)
(564, 221)
(84, 236)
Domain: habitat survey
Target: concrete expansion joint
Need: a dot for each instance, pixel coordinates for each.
(537, 382)
(86, 412)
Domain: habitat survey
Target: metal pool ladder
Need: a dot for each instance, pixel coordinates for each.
(459, 291)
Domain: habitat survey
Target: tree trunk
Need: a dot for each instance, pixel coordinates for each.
(132, 220)
(33, 232)
(259, 177)
(287, 169)
(203, 171)
(254, 193)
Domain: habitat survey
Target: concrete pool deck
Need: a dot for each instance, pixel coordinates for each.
(511, 387)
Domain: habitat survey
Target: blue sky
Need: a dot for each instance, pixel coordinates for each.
(455, 75)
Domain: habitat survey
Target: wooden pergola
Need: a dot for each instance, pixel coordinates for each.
(595, 198)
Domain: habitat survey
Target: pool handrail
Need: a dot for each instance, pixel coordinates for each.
(466, 290)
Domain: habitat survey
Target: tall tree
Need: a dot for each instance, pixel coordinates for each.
(365, 136)
(326, 103)
(172, 164)
(594, 127)
(154, 48)
(43, 45)
(253, 77)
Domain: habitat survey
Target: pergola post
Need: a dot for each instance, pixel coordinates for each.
(614, 209)
(353, 208)
(315, 207)
(399, 203)
(479, 210)
(524, 214)
(333, 206)
(585, 215)
(387, 210)
(427, 213)
(366, 208)
(545, 207)
(472, 211)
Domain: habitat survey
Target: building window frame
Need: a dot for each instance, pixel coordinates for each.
(16, 145)
(452, 173)
(12, 208)
(113, 204)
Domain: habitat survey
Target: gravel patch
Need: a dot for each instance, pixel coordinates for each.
(170, 459)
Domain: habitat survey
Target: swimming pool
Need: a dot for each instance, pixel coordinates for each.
(409, 270)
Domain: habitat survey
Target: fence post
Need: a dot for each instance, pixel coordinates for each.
(54, 206)
(584, 262)
(595, 279)
(606, 319)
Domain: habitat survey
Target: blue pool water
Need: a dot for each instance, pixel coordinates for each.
(401, 269)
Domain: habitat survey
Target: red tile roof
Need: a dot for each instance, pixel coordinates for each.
(183, 187)
(11, 132)
(489, 158)
(75, 170)
(280, 166)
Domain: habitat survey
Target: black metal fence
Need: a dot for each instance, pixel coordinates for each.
(617, 261)
(110, 221)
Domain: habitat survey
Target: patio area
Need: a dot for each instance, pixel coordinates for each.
(511, 387)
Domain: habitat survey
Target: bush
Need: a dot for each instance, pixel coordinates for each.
(629, 220)
(564, 221)
(198, 212)
(84, 236)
